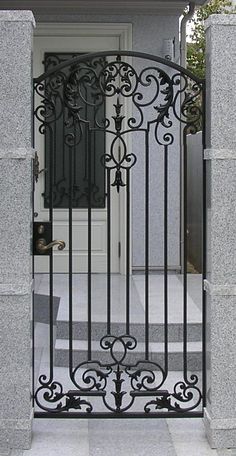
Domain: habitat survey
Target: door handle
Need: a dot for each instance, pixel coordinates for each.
(42, 246)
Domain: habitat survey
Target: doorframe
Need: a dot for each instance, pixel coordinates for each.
(122, 30)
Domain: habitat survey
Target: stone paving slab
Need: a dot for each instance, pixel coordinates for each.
(172, 437)
(130, 437)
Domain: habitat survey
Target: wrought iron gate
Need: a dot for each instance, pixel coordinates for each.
(157, 99)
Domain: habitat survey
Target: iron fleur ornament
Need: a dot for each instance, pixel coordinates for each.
(95, 379)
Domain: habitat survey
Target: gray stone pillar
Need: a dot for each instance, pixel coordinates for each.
(16, 29)
(220, 411)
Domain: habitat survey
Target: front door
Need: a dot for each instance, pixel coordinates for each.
(51, 147)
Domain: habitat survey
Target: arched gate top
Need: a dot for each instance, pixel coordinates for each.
(141, 55)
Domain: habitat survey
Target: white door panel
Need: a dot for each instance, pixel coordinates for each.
(60, 216)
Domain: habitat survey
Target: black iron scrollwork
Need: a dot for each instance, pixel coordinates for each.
(156, 96)
(142, 380)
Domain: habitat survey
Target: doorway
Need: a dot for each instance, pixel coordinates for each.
(54, 44)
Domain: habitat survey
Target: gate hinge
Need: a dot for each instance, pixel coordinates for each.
(36, 167)
(119, 249)
(37, 171)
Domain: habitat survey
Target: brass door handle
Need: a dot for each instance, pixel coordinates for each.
(42, 246)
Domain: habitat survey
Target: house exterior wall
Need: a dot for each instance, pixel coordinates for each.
(195, 200)
(148, 34)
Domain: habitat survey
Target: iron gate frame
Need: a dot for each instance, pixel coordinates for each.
(162, 398)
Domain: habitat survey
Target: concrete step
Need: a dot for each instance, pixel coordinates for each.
(156, 354)
(156, 331)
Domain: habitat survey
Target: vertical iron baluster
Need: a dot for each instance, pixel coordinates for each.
(94, 144)
(33, 260)
(63, 139)
(86, 139)
(185, 278)
(54, 152)
(89, 238)
(204, 247)
(74, 166)
(51, 180)
(70, 206)
(33, 339)
(166, 257)
(127, 251)
(146, 244)
(108, 251)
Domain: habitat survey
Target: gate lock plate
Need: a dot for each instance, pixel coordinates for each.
(42, 230)
(42, 240)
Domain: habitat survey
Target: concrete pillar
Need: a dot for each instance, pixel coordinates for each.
(16, 29)
(220, 286)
